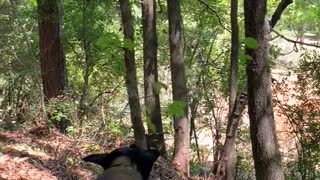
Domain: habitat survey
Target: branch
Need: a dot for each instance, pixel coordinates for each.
(277, 14)
(102, 93)
(295, 42)
(216, 13)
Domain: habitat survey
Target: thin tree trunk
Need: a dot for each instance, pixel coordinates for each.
(228, 153)
(131, 75)
(87, 62)
(151, 86)
(265, 146)
(52, 60)
(179, 88)
(234, 55)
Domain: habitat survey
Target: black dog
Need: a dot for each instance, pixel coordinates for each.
(130, 163)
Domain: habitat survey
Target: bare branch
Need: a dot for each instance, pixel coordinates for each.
(102, 93)
(216, 13)
(277, 14)
(295, 42)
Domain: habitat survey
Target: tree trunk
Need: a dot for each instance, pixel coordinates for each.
(53, 67)
(86, 44)
(179, 89)
(52, 60)
(228, 150)
(151, 86)
(265, 146)
(226, 167)
(131, 75)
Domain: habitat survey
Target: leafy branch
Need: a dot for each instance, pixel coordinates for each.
(216, 13)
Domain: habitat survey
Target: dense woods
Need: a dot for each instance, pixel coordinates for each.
(195, 89)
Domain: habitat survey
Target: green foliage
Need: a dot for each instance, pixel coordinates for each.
(176, 109)
(60, 108)
(302, 16)
(198, 169)
(118, 128)
(244, 166)
(250, 43)
(128, 44)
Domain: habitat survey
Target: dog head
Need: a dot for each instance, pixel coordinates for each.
(132, 161)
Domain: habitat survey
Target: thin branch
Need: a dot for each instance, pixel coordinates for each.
(273, 38)
(295, 42)
(102, 93)
(216, 13)
(277, 14)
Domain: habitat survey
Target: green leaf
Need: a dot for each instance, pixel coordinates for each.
(34, 3)
(176, 108)
(128, 44)
(251, 43)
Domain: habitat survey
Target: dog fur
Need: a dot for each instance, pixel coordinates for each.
(129, 163)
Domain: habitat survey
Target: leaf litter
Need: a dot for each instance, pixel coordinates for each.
(42, 153)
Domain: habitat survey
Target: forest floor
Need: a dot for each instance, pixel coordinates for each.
(40, 153)
(43, 153)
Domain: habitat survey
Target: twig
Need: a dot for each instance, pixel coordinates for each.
(295, 42)
(216, 13)
(102, 93)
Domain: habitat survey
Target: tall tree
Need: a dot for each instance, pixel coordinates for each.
(151, 85)
(230, 140)
(265, 146)
(86, 45)
(179, 88)
(53, 65)
(131, 75)
(52, 60)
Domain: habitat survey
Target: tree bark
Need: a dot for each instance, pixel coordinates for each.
(226, 167)
(53, 68)
(228, 150)
(179, 88)
(265, 146)
(131, 75)
(52, 61)
(150, 66)
(227, 159)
